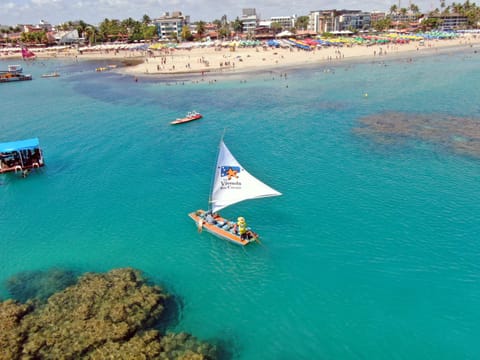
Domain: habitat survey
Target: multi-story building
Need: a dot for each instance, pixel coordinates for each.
(356, 20)
(287, 22)
(377, 15)
(249, 12)
(451, 21)
(322, 21)
(405, 18)
(169, 26)
(249, 20)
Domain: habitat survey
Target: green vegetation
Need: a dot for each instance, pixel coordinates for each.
(200, 28)
(301, 23)
(468, 9)
(276, 27)
(131, 30)
(382, 24)
(126, 30)
(39, 37)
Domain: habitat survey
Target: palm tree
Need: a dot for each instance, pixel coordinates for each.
(200, 28)
(224, 32)
(393, 9)
(382, 24)
(90, 32)
(302, 22)
(237, 25)
(149, 32)
(276, 27)
(186, 34)
(82, 25)
(146, 19)
(414, 9)
(457, 8)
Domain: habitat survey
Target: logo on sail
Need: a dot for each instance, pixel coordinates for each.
(230, 178)
(231, 172)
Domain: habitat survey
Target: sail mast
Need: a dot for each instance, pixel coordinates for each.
(212, 182)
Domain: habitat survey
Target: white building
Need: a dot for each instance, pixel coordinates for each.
(287, 22)
(249, 20)
(322, 21)
(169, 26)
(353, 21)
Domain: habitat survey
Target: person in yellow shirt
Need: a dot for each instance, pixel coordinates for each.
(242, 227)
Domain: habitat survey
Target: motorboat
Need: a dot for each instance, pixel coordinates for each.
(191, 116)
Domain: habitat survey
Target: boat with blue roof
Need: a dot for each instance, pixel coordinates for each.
(14, 73)
(21, 156)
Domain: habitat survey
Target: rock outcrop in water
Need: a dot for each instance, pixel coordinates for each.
(103, 316)
(461, 135)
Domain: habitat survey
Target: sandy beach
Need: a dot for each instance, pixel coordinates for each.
(204, 61)
(213, 61)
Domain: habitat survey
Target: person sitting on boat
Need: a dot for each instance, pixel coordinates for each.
(209, 218)
(242, 227)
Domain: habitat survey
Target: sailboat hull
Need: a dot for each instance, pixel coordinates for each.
(217, 228)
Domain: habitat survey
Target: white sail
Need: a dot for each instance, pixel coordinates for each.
(233, 183)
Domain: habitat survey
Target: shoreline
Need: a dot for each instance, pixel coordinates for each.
(283, 68)
(190, 64)
(198, 63)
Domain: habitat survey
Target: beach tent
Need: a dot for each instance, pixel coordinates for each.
(273, 43)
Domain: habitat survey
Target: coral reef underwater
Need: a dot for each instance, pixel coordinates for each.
(39, 285)
(102, 316)
(458, 134)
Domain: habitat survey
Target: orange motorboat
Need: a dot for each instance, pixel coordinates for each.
(191, 116)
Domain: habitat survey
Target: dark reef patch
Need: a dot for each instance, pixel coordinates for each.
(39, 285)
(458, 134)
(101, 316)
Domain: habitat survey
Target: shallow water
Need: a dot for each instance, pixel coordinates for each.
(371, 252)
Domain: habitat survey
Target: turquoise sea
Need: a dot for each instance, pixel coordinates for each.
(372, 252)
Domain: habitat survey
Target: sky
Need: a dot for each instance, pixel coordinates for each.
(13, 12)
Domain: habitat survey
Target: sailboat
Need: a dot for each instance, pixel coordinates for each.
(231, 184)
(27, 54)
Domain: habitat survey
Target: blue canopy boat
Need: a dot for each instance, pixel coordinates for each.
(20, 156)
(14, 73)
